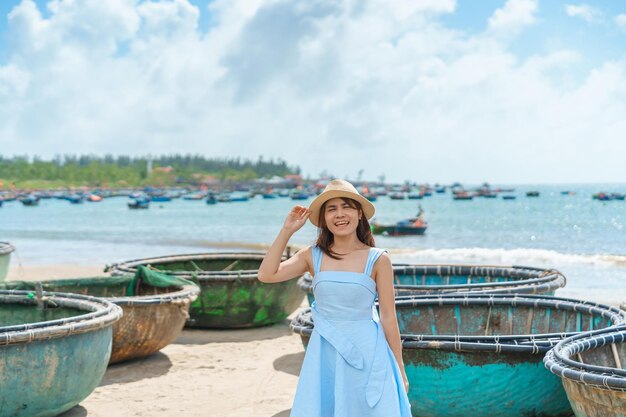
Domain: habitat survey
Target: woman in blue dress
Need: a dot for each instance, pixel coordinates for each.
(353, 363)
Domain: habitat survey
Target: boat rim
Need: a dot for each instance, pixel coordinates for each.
(532, 343)
(100, 314)
(559, 363)
(6, 247)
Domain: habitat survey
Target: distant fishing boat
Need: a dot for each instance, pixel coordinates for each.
(54, 350)
(532, 194)
(239, 196)
(232, 296)
(298, 195)
(415, 195)
(508, 197)
(462, 195)
(93, 198)
(30, 201)
(210, 199)
(396, 195)
(194, 196)
(268, 196)
(160, 198)
(139, 203)
(224, 197)
(76, 199)
(398, 229)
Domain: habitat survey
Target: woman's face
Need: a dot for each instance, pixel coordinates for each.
(341, 219)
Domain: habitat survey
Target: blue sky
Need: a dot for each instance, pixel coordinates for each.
(520, 91)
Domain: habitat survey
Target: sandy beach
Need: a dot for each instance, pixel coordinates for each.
(208, 373)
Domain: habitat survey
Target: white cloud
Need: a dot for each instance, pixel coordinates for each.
(621, 21)
(324, 84)
(513, 16)
(583, 11)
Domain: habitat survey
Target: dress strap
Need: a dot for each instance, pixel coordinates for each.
(372, 257)
(317, 258)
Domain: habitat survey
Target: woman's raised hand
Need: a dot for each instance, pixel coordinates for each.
(296, 218)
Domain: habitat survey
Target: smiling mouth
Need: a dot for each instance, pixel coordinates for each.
(342, 223)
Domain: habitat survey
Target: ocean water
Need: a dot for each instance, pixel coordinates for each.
(583, 238)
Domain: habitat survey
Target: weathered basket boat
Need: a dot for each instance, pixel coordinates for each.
(5, 258)
(592, 367)
(231, 294)
(54, 350)
(481, 354)
(442, 279)
(153, 316)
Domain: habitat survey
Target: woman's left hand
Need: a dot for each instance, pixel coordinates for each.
(406, 383)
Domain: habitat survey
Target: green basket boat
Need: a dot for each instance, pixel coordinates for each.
(54, 350)
(5, 258)
(231, 295)
(592, 367)
(443, 279)
(152, 319)
(481, 354)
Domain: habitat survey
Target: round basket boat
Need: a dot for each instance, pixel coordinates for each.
(231, 295)
(5, 258)
(443, 279)
(153, 318)
(481, 354)
(592, 367)
(54, 350)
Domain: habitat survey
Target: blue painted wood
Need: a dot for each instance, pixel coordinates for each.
(461, 384)
(46, 378)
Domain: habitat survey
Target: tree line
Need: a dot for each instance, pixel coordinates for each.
(121, 170)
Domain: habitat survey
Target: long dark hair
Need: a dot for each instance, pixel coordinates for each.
(325, 238)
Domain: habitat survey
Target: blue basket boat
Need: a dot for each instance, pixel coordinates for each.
(481, 354)
(592, 367)
(444, 279)
(54, 350)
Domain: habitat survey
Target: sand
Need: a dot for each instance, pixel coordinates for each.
(208, 373)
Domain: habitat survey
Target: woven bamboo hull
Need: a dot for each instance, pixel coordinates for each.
(47, 378)
(589, 401)
(234, 303)
(51, 358)
(145, 330)
(592, 369)
(150, 321)
(231, 294)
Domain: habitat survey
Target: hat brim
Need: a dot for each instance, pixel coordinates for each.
(316, 204)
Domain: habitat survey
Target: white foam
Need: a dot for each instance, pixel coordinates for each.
(529, 257)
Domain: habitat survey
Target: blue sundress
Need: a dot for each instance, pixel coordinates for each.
(349, 369)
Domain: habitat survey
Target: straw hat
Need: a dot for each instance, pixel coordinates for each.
(335, 189)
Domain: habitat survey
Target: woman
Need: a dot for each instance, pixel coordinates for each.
(353, 364)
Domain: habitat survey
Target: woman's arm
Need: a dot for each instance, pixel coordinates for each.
(272, 269)
(383, 273)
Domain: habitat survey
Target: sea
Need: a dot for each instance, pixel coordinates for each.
(583, 238)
